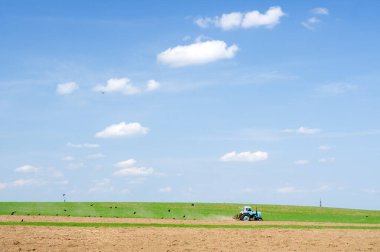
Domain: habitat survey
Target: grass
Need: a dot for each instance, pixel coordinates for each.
(91, 224)
(188, 211)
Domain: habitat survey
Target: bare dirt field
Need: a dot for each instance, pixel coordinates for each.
(45, 238)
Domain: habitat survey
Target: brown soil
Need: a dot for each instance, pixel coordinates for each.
(31, 238)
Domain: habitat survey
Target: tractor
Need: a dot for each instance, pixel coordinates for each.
(247, 214)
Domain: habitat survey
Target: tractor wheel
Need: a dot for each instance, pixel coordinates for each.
(246, 218)
(241, 217)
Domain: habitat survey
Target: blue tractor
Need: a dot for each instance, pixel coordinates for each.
(247, 214)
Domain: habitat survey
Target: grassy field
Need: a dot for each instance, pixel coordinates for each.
(187, 211)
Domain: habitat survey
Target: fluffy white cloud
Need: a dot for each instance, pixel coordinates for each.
(134, 171)
(327, 160)
(320, 11)
(245, 156)
(197, 53)
(26, 169)
(152, 85)
(84, 145)
(286, 189)
(303, 130)
(301, 162)
(165, 189)
(122, 85)
(126, 163)
(67, 88)
(68, 158)
(325, 147)
(311, 23)
(122, 130)
(251, 19)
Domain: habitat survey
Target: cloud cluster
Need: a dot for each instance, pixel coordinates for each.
(252, 19)
(303, 130)
(124, 86)
(66, 88)
(197, 53)
(245, 156)
(130, 170)
(122, 130)
(313, 21)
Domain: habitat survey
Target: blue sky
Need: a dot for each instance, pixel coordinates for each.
(271, 102)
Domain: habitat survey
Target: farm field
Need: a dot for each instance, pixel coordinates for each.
(187, 227)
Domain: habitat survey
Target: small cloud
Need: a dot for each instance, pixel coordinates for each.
(301, 162)
(126, 163)
(286, 189)
(311, 23)
(122, 130)
(320, 11)
(327, 160)
(325, 147)
(84, 145)
(75, 166)
(26, 169)
(96, 155)
(68, 158)
(134, 171)
(303, 130)
(165, 189)
(122, 85)
(336, 88)
(252, 19)
(67, 88)
(197, 54)
(245, 156)
(152, 85)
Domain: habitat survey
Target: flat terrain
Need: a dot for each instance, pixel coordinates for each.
(183, 227)
(183, 235)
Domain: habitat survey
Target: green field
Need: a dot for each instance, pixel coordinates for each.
(188, 211)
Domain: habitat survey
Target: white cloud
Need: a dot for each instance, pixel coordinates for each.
(325, 147)
(122, 85)
(337, 88)
(134, 171)
(311, 23)
(197, 53)
(165, 189)
(26, 169)
(67, 88)
(3, 186)
(320, 11)
(327, 160)
(84, 145)
(96, 155)
(303, 130)
(251, 19)
(301, 162)
(245, 156)
(286, 189)
(68, 158)
(23, 182)
(126, 163)
(74, 166)
(152, 85)
(122, 130)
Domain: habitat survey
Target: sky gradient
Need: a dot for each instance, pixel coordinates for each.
(270, 102)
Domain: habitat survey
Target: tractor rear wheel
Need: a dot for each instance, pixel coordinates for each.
(246, 217)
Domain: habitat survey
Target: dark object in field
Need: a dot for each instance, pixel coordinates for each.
(184, 216)
(192, 204)
(39, 214)
(173, 218)
(115, 206)
(134, 212)
(28, 214)
(110, 207)
(22, 220)
(64, 210)
(68, 215)
(169, 210)
(92, 205)
(100, 216)
(56, 214)
(366, 216)
(13, 213)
